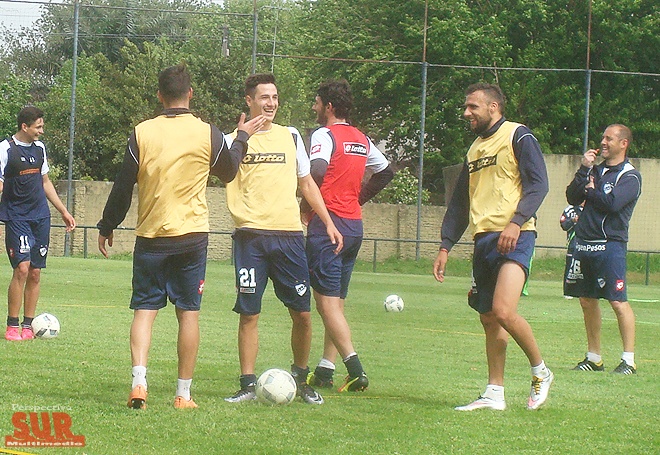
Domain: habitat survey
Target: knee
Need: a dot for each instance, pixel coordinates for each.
(22, 271)
(621, 308)
(301, 319)
(34, 275)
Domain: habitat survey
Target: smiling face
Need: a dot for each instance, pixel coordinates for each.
(32, 132)
(265, 101)
(480, 111)
(612, 146)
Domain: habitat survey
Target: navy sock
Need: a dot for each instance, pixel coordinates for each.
(12, 322)
(248, 380)
(354, 366)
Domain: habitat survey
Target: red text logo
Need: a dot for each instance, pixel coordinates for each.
(43, 429)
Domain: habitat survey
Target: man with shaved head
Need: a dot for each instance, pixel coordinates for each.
(609, 191)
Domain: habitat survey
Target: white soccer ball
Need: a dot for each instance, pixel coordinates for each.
(276, 386)
(45, 326)
(393, 303)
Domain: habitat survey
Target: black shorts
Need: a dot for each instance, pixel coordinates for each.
(27, 241)
(178, 275)
(278, 256)
(597, 270)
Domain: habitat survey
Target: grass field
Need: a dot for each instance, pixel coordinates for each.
(421, 363)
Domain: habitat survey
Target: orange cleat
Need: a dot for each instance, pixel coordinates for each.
(182, 403)
(138, 397)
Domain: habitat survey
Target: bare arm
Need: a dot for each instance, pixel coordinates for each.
(312, 195)
(54, 199)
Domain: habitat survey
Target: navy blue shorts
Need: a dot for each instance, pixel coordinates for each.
(27, 241)
(330, 273)
(597, 271)
(280, 257)
(486, 263)
(177, 275)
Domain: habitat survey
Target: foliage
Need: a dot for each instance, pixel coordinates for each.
(403, 189)
(15, 95)
(376, 44)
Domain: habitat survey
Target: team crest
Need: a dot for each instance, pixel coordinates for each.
(607, 188)
(601, 282)
(301, 289)
(43, 251)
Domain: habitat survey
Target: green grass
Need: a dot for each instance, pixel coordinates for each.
(421, 363)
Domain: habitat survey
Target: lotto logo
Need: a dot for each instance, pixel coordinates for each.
(200, 288)
(355, 148)
(619, 285)
(43, 429)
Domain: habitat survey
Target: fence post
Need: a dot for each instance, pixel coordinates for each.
(85, 242)
(373, 264)
(648, 265)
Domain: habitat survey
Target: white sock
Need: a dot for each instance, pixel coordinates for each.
(629, 358)
(494, 392)
(540, 370)
(183, 388)
(139, 376)
(593, 357)
(325, 363)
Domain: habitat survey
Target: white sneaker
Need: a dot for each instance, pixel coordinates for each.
(539, 391)
(483, 403)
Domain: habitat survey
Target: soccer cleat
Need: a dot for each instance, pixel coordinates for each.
(13, 334)
(624, 368)
(588, 365)
(316, 381)
(27, 333)
(356, 384)
(308, 394)
(182, 403)
(247, 394)
(138, 397)
(483, 403)
(539, 392)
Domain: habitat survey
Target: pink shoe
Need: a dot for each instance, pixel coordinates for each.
(13, 334)
(27, 333)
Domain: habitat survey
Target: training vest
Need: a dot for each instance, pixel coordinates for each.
(263, 193)
(343, 178)
(173, 170)
(495, 184)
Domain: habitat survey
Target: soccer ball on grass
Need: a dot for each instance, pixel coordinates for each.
(45, 326)
(393, 304)
(276, 386)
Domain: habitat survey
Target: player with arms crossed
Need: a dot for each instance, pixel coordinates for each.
(340, 154)
(170, 158)
(26, 190)
(269, 240)
(500, 188)
(609, 191)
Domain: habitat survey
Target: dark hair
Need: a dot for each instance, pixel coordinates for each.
(337, 92)
(493, 93)
(623, 132)
(256, 79)
(174, 82)
(28, 115)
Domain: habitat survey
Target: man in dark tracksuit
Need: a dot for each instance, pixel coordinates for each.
(598, 269)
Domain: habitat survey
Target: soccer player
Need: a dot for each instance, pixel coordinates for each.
(609, 191)
(269, 240)
(568, 219)
(26, 190)
(500, 187)
(339, 154)
(170, 158)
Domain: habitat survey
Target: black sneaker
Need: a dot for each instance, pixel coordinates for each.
(247, 394)
(316, 381)
(308, 394)
(624, 368)
(356, 384)
(588, 365)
